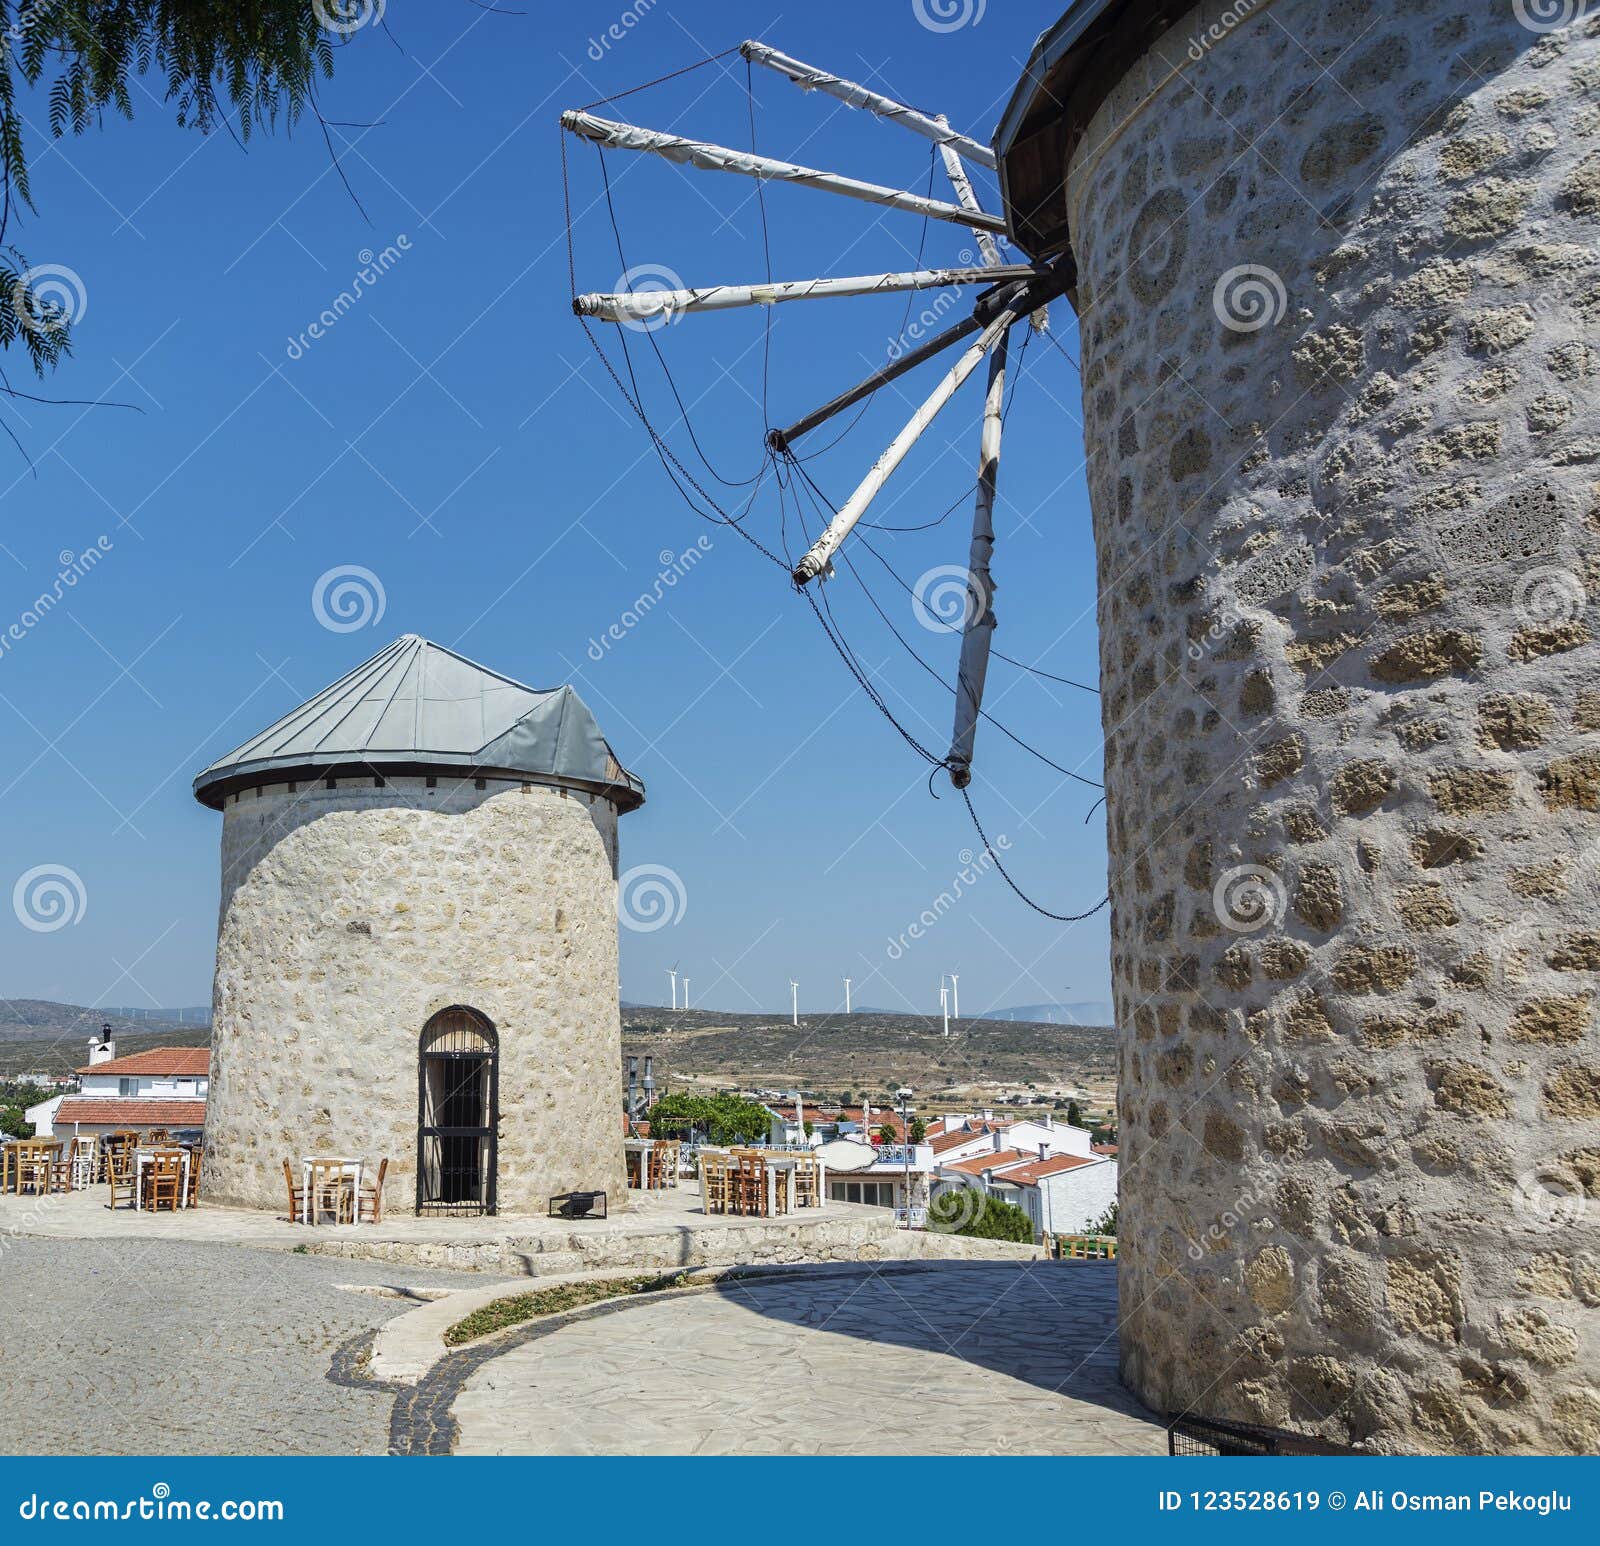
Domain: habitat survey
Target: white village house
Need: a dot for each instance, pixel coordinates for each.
(1055, 1173)
(162, 1087)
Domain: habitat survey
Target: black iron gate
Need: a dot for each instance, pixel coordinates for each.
(458, 1109)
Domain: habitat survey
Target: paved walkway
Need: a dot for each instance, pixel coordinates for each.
(159, 1347)
(971, 1358)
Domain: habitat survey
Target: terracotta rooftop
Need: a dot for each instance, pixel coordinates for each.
(185, 1062)
(997, 1160)
(1031, 1175)
(131, 1112)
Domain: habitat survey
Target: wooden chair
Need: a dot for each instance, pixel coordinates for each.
(329, 1191)
(369, 1205)
(806, 1184)
(192, 1198)
(750, 1184)
(159, 1135)
(664, 1162)
(716, 1180)
(120, 1175)
(163, 1180)
(37, 1173)
(297, 1194)
(121, 1143)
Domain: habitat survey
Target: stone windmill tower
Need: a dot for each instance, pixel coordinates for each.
(417, 951)
(1338, 281)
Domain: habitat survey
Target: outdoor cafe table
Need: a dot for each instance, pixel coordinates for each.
(789, 1164)
(13, 1156)
(144, 1158)
(349, 1168)
(637, 1151)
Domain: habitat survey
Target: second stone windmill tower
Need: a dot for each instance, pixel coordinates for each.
(417, 950)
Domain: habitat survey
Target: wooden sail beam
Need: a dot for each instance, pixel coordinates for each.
(644, 305)
(957, 173)
(719, 158)
(822, 550)
(809, 78)
(1039, 290)
(978, 619)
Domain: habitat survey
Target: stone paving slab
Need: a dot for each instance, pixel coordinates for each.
(130, 1346)
(980, 1358)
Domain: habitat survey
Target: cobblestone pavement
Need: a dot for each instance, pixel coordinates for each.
(1013, 1359)
(159, 1347)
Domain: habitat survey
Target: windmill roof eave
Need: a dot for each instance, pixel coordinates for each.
(1070, 72)
(421, 709)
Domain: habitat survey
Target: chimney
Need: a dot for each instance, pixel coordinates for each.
(649, 1081)
(1044, 1151)
(102, 1048)
(633, 1088)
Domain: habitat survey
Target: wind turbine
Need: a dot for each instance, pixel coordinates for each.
(847, 995)
(944, 1005)
(686, 990)
(955, 995)
(672, 972)
(794, 999)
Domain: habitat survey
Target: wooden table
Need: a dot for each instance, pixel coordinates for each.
(349, 1169)
(142, 1159)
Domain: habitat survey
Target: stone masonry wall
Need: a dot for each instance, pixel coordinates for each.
(350, 916)
(1340, 313)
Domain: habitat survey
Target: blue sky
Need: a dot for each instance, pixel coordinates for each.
(453, 434)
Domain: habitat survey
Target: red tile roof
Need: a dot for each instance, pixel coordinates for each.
(1031, 1175)
(944, 1142)
(185, 1061)
(130, 1113)
(995, 1160)
(1104, 1148)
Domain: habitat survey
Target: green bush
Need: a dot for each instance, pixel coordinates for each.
(722, 1118)
(964, 1210)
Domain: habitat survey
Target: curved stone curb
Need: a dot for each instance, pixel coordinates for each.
(421, 1424)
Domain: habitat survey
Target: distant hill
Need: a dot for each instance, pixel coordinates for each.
(1090, 1012)
(868, 1050)
(39, 1019)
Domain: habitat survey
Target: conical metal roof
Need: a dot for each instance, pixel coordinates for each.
(417, 707)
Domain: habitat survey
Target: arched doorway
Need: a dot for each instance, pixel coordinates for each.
(458, 1107)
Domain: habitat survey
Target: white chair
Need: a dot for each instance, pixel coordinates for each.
(85, 1160)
